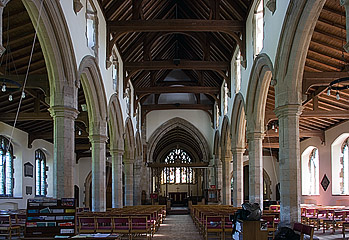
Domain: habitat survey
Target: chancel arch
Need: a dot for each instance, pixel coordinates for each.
(179, 158)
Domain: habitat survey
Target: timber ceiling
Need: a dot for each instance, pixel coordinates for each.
(326, 61)
(151, 35)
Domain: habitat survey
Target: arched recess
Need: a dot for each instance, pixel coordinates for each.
(115, 123)
(172, 124)
(297, 30)
(257, 92)
(92, 83)
(129, 140)
(58, 51)
(238, 123)
(139, 146)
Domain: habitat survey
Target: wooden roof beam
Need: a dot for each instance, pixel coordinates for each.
(321, 79)
(178, 89)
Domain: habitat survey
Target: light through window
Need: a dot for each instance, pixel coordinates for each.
(6, 168)
(177, 175)
(40, 173)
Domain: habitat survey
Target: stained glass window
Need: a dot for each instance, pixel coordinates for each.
(6, 168)
(177, 175)
(40, 173)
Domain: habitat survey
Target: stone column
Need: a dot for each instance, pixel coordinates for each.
(212, 175)
(289, 163)
(128, 164)
(226, 190)
(255, 150)
(117, 195)
(238, 176)
(136, 182)
(218, 167)
(98, 143)
(63, 156)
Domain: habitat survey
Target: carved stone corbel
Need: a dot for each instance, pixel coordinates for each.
(271, 5)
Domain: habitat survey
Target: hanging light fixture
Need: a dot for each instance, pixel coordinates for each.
(3, 88)
(337, 95)
(79, 132)
(337, 85)
(10, 98)
(23, 94)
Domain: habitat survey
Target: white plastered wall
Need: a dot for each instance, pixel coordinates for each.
(200, 119)
(325, 155)
(23, 155)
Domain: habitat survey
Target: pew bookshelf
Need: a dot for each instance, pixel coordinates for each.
(50, 217)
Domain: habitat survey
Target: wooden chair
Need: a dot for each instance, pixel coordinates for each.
(87, 225)
(104, 225)
(121, 225)
(270, 223)
(307, 230)
(213, 224)
(139, 225)
(7, 228)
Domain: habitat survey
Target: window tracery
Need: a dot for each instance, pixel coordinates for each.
(40, 173)
(6, 167)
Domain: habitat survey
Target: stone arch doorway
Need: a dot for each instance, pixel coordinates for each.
(267, 185)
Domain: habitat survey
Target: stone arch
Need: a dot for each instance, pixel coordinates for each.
(297, 30)
(129, 140)
(184, 124)
(58, 51)
(238, 123)
(225, 138)
(139, 146)
(257, 92)
(216, 144)
(92, 83)
(115, 122)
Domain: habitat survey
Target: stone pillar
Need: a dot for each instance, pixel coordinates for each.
(218, 168)
(128, 164)
(63, 156)
(136, 182)
(289, 165)
(238, 176)
(212, 175)
(255, 150)
(98, 143)
(117, 196)
(226, 190)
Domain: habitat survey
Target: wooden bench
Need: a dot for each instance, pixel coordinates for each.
(306, 231)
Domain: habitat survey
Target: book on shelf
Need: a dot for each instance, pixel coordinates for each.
(58, 210)
(69, 210)
(68, 202)
(45, 210)
(66, 224)
(68, 217)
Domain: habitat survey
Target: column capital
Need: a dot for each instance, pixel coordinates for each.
(238, 150)
(288, 110)
(63, 111)
(255, 135)
(129, 161)
(116, 151)
(98, 138)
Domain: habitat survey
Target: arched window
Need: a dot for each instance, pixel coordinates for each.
(177, 175)
(310, 171)
(40, 173)
(115, 75)
(237, 72)
(6, 168)
(92, 27)
(258, 33)
(225, 99)
(344, 168)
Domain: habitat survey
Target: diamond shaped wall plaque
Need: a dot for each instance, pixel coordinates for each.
(325, 182)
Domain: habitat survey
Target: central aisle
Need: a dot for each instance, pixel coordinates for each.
(177, 227)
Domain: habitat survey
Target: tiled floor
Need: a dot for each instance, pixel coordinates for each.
(177, 227)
